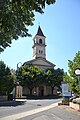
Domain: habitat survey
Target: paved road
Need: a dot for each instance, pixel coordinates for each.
(11, 108)
(55, 113)
(37, 110)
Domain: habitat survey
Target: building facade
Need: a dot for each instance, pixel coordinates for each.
(39, 59)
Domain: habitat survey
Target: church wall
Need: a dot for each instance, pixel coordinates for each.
(36, 91)
(55, 90)
(26, 91)
(48, 90)
(45, 91)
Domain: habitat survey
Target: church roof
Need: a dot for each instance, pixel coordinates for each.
(40, 62)
(39, 32)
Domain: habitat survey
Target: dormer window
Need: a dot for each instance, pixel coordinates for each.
(40, 41)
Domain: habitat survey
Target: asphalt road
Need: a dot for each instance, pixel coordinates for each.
(55, 113)
(46, 109)
(22, 105)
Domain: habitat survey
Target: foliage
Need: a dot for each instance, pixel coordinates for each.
(6, 79)
(16, 16)
(73, 65)
(72, 78)
(53, 77)
(72, 82)
(66, 77)
(30, 76)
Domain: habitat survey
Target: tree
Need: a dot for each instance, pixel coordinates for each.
(73, 65)
(49, 78)
(6, 79)
(16, 16)
(69, 80)
(53, 77)
(30, 76)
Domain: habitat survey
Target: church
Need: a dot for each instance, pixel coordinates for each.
(39, 59)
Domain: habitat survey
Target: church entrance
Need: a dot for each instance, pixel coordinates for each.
(41, 91)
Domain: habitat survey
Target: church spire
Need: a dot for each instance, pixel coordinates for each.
(39, 32)
(39, 50)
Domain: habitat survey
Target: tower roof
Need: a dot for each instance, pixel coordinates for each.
(39, 32)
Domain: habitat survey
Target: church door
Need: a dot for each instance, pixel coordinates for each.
(41, 91)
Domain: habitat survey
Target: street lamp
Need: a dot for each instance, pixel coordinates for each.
(77, 72)
(17, 82)
(18, 65)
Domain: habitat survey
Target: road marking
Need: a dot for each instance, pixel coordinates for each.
(27, 113)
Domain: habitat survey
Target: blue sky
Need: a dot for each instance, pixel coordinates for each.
(61, 25)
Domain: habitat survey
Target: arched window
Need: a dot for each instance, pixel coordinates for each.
(40, 41)
(39, 51)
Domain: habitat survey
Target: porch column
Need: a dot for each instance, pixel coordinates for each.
(37, 91)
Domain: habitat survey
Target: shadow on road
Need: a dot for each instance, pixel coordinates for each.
(18, 102)
(43, 97)
(11, 103)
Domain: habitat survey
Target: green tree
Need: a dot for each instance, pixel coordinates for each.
(49, 78)
(16, 16)
(67, 78)
(6, 79)
(53, 77)
(73, 65)
(30, 76)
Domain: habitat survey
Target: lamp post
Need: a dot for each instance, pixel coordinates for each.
(77, 72)
(17, 70)
(17, 82)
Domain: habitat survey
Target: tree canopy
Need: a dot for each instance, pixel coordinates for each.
(6, 79)
(72, 78)
(33, 76)
(53, 77)
(16, 16)
(30, 76)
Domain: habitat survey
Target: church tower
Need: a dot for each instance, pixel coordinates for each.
(39, 45)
